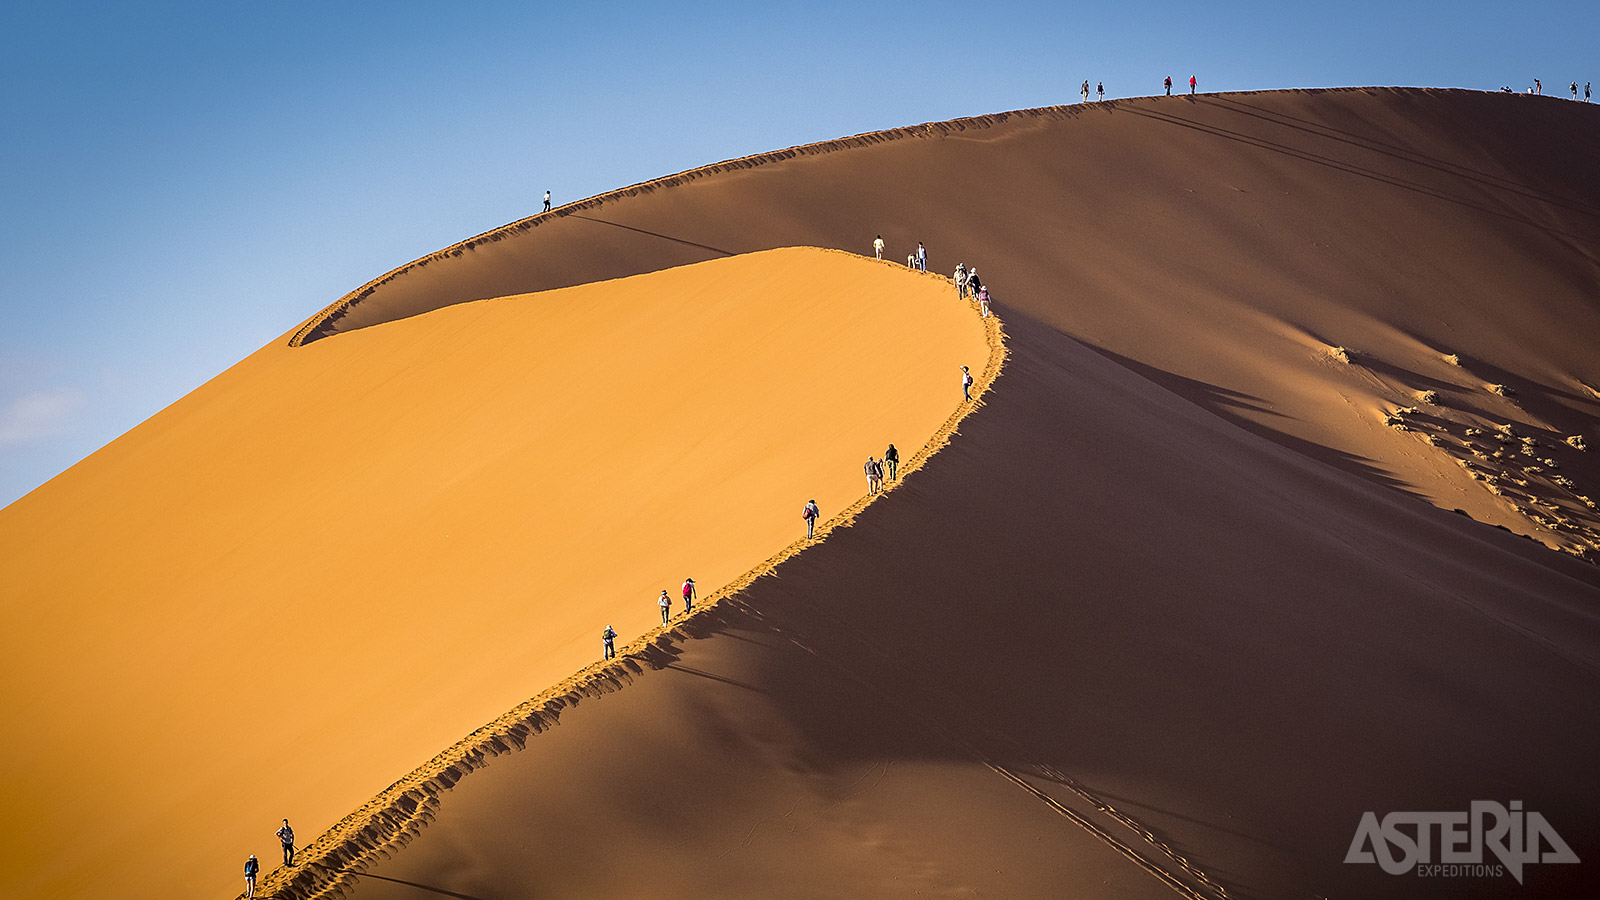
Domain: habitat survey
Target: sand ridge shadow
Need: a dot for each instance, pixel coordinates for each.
(665, 237)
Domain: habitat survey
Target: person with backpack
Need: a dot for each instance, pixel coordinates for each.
(1100, 91)
(961, 281)
(251, 867)
(608, 643)
(810, 514)
(665, 603)
(1586, 91)
(1086, 91)
(983, 301)
(891, 458)
(873, 474)
(1574, 90)
(286, 835)
(877, 247)
(689, 595)
(973, 284)
(966, 384)
(1168, 85)
(1538, 87)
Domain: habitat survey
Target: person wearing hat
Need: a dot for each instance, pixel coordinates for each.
(665, 603)
(251, 867)
(608, 643)
(966, 384)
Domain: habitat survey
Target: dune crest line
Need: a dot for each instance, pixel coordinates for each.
(327, 865)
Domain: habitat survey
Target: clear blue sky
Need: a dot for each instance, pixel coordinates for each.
(183, 182)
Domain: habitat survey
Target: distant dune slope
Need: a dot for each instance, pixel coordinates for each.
(1189, 575)
(295, 584)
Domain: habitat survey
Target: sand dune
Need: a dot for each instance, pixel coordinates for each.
(1190, 575)
(1176, 605)
(307, 577)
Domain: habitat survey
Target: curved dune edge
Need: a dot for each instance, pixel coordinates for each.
(317, 326)
(388, 821)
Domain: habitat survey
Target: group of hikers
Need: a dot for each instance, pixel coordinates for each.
(967, 283)
(877, 470)
(1100, 88)
(1538, 89)
(690, 593)
(917, 259)
(252, 866)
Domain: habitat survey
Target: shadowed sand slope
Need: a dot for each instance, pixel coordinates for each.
(300, 581)
(1184, 598)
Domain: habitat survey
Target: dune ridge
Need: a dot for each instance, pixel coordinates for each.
(388, 821)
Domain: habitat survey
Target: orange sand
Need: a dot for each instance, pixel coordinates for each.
(306, 577)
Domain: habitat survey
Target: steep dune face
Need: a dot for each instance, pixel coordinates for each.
(1184, 598)
(310, 575)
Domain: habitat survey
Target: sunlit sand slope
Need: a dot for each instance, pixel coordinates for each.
(297, 583)
(1190, 575)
